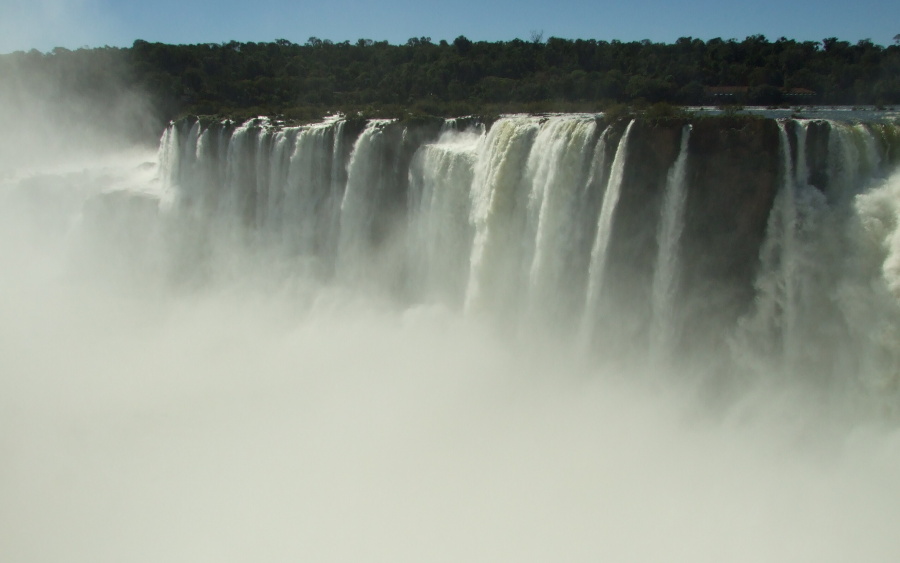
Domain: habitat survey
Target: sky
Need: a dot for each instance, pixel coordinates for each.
(45, 24)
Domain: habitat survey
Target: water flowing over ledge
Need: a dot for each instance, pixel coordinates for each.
(770, 245)
(546, 338)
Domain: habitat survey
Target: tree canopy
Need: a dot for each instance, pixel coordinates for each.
(464, 76)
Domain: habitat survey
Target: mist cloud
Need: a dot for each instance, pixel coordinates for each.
(254, 419)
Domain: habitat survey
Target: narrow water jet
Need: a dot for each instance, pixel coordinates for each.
(596, 271)
(664, 322)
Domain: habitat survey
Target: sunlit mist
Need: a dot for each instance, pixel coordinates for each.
(464, 341)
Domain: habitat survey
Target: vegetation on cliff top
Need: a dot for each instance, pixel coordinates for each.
(305, 82)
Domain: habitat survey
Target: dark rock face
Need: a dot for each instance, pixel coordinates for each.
(817, 154)
(733, 177)
(652, 150)
(400, 143)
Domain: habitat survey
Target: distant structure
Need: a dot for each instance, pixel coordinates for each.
(763, 94)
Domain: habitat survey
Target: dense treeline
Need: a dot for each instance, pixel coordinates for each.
(460, 77)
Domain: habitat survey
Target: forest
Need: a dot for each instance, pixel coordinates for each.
(421, 77)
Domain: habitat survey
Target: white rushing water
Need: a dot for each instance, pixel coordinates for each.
(664, 327)
(362, 342)
(604, 233)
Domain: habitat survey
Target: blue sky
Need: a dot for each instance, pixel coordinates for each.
(44, 24)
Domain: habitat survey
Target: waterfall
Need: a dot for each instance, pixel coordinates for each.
(801, 327)
(362, 196)
(169, 149)
(496, 214)
(775, 321)
(602, 239)
(515, 221)
(237, 202)
(530, 338)
(441, 177)
(786, 217)
(558, 166)
(664, 328)
(309, 194)
(272, 212)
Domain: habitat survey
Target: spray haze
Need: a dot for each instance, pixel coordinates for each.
(70, 106)
(346, 342)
